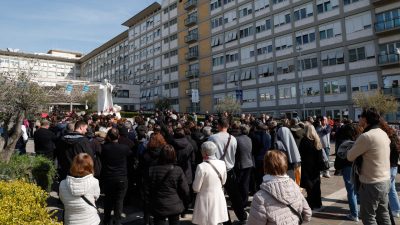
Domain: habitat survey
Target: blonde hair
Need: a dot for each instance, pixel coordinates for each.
(311, 134)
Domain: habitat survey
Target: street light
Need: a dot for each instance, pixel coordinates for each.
(298, 48)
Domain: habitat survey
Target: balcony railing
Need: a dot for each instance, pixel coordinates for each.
(394, 91)
(191, 20)
(388, 25)
(191, 38)
(388, 59)
(190, 4)
(192, 55)
(192, 73)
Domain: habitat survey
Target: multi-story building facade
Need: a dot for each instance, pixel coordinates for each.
(48, 69)
(278, 56)
(111, 61)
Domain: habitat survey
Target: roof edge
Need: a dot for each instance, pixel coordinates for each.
(142, 14)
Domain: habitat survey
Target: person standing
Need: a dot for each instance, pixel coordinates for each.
(167, 188)
(79, 192)
(210, 207)
(70, 145)
(324, 131)
(310, 147)
(45, 140)
(373, 148)
(115, 175)
(271, 205)
(227, 145)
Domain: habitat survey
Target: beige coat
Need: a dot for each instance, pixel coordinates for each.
(210, 207)
(265, 209)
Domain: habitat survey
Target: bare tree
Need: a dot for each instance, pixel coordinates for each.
(229, 105)
(383, 103)
(19, 96)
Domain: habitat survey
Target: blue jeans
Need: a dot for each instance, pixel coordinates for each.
(351, 194)
(393, 198)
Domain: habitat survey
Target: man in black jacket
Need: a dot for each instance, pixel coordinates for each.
(115, 175)
(70, 145)
(45, 140)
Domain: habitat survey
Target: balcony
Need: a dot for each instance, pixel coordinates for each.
(394, 91)
(190, 21)
(190, 4)
(192, 55)
(392, 25)
(190, 38)
(192, 73)
(388, 59)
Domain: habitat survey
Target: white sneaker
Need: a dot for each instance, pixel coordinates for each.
(352, 218)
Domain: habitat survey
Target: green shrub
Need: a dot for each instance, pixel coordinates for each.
(23, 204)
(129, 114)
(36, 169)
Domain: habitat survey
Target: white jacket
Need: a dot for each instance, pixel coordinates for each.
(77, 211)
(210, 207)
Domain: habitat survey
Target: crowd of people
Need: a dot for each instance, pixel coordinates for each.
(173, 163)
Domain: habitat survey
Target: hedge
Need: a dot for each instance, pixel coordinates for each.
(35, 169)
(23, 203)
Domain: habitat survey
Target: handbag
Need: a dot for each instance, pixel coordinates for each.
(323, 161)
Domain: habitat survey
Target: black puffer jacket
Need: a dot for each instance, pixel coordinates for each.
(167, 190)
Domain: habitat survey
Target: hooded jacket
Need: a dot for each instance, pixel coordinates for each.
(269, 204)
(77, 211)
(68, 147)
(185, 156)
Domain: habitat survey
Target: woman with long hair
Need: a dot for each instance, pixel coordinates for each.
(309, 149)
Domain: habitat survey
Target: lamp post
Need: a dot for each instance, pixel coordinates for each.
(298, 48)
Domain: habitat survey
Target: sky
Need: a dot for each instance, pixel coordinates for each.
(36, 26)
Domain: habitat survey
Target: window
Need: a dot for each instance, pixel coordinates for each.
(266, 70)
(247, 52)
(277, 1)
(308, 63)
(174, 85)
(173, 53)
(231, 57)
(245, 10)
(230, 36)
(230, 16)
(166, 55)
(267, 94)
(217, 40)
(331, 58)
(264, 48)
(283, 42)
(284, 67)
(165, 10)
(311, 88)
(247, 74)
(305, 37)
(228, 1)
(218, 60)
(281, 19)
(260, 5)
(335, 87)
(173, 21)
(326, 5)
(247, 31)
(287, 91)
(348, 2)
(173, 37)
(233, 76)
(215, 4)
(219, 79)
(303, 12)
(358, 22)
(173, 6)
(122, 94)
(263, 25)
(362, 52)
(216, 22)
